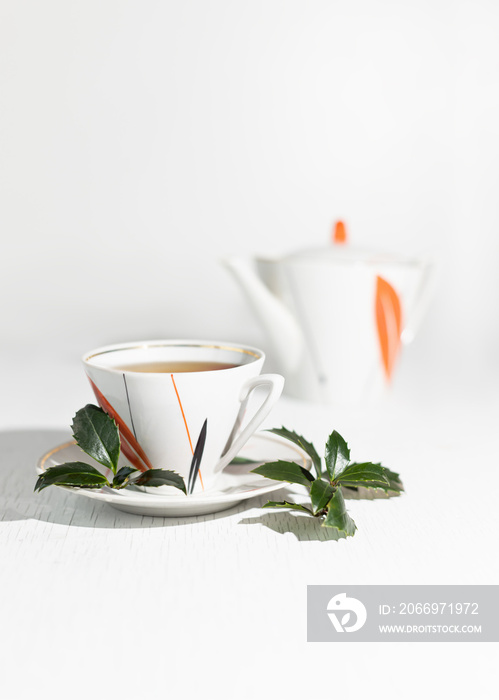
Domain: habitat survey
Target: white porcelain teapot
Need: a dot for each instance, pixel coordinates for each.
(336, 317)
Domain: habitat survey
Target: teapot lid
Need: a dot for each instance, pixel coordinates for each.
(340, 251)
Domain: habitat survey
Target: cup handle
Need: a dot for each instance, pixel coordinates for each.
(275, 385)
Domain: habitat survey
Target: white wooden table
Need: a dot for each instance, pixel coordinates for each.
(100, 604)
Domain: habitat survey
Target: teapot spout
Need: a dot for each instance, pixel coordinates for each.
(283, 332)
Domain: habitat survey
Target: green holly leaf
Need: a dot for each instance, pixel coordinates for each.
(122, 477)
(365, 474)
(71, 474)
(160, 477)
(394, 486)
(245, 460)
(337, 516)
(394, 480)
(337, 454)
(97, 434)
(320, 494)
(301, 442)
(286, 504)
(285, 471)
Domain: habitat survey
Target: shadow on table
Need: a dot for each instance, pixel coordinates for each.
(20, 451)
(303, 527)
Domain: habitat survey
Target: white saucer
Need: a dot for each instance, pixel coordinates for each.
(235, 483)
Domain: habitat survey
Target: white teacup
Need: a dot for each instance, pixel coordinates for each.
(161, 392)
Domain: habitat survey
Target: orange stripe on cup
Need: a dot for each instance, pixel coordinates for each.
(186, 426)
(129, 444)
(389, 323)
(132, 457)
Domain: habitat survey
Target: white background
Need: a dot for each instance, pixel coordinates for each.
(141, 142)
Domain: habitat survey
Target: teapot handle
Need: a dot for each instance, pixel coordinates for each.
(421, 303)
